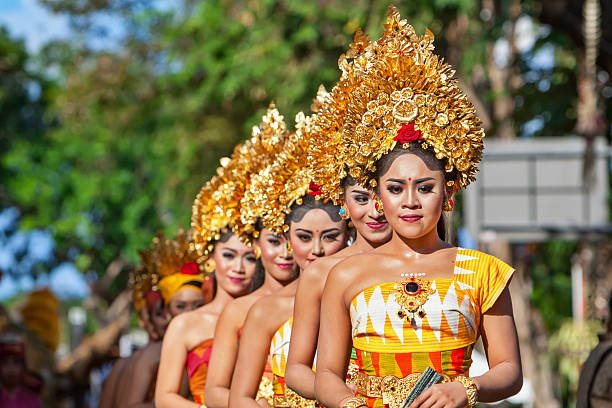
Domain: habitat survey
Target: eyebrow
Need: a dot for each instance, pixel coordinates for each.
(272, 235)
(322, 232)
(365, 192)
(421, 180)
(229, 249)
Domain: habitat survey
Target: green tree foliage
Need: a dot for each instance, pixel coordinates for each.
(138, 128)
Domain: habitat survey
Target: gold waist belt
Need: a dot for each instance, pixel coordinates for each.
(292, 400)
(391, 389)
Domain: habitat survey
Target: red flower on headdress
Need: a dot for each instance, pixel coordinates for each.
(190, 268)
(407, 134)
(314, 189)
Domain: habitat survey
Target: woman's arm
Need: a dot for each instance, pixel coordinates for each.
(140, 383)
(223, 357)
(505, 376)
(334, 345)
(172, 365)
(262, 321)
(305, 330)
(110, 384)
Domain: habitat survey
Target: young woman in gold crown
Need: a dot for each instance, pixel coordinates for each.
(275, 266)
(189, 339)
(416, 303)
(327, 159)
(151, 316)
(174, 271)
(315, 230)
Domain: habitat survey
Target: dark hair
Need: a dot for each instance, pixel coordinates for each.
(259, 277)
(347, 182)
(431, 161)
(298, 211)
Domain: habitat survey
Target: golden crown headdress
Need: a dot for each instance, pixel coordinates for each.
(217, 205)
(328, 152)
(273, 190)
(140, 282)
(404, 92)
(165, 257)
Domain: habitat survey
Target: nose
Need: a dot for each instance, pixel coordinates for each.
(317, 248)
(240, 264)
(411, 200)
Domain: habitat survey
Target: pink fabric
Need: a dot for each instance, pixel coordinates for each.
(20, 398)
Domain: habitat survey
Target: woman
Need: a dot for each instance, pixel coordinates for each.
(372, 230)
(416, 302)
(181, 291)
(144, 305)
(277, 265)
(315, 230)
(214, 219)
(329, 157)
(188, 340)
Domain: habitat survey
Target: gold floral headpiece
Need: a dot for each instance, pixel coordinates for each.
(217, 205)
(405, 93)
(166, 257)
(328, 152)
(273, 190)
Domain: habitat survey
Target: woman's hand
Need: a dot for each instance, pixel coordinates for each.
(448, 395)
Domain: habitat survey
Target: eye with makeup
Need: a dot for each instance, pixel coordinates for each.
(180, 305)
(304, 237)
(395, 188)
(360, 198)
(275, 241)
(425, 188)
(331, 237)
(228, 255)
(251, 258)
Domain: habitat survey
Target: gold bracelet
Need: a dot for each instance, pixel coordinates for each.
(353, 402)
(470, 389)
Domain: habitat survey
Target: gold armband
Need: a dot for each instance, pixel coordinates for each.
(470, 389)
(353, 402)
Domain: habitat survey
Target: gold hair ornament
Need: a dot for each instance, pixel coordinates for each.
(403, 86)
(217, 209)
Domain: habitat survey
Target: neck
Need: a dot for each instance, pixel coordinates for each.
(272, 284)
(222, 298)
(426, 244)
(361, 244)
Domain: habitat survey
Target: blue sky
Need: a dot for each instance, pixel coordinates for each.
(30, 21)
(20, 251)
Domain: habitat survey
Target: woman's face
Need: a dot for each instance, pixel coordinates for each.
(234, 266)
(316, 235)
(275, 257)
(158, 318)
(185, 300)
(412, 196)
(369, 223)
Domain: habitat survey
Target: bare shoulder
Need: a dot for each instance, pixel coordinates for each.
(271, 311)
(235, 312)
(320, 268)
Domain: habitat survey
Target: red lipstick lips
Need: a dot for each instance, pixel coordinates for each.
(376, 225)
(411, 218)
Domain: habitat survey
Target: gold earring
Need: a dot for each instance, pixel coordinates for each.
(257, 252)
(344, 212)
(289, 247)
(209, 265)
(448, 205)
(378, 205)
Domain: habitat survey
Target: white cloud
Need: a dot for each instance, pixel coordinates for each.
(35, 24)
